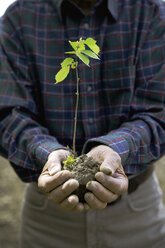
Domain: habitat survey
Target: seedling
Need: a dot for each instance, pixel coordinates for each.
(79, 53)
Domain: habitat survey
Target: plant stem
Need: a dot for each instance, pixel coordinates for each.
(76, 111)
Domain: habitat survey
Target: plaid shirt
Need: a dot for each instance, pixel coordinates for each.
(122, 96)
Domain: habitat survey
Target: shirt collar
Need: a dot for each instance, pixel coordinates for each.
(112, 7)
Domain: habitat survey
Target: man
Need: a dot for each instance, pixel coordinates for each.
(121, 120)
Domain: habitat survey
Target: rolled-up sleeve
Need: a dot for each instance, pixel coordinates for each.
(24, 141)
(141, 140)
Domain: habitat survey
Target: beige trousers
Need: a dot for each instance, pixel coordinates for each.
(136, 221)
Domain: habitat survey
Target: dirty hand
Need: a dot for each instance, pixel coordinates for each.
(57, 184)
(111, 180)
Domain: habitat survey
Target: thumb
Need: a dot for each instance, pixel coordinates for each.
(111, 163)
(54, 168)
(54, 161)
(108, 167)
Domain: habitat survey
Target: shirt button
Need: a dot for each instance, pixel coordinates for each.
(89, 88)
(90, 120)
(86, 25)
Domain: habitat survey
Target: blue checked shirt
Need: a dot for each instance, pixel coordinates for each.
(122, 96)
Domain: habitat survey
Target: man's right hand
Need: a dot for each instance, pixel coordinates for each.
(57, 184)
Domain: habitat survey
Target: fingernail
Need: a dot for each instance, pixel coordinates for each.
(106, 170)
(98, 175)
(88, 184)
(71, 199)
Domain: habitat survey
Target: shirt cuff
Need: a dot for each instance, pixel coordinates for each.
(43, 150)
(40, 151)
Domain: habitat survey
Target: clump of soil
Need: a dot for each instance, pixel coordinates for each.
(83, 170)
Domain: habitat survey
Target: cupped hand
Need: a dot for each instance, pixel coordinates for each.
(57, 184)
(111, 181)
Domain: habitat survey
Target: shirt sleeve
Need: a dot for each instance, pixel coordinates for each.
(141, 140)
(24, 141)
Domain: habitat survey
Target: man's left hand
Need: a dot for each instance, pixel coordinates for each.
(111, 180)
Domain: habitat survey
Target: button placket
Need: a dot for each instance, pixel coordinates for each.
(88, 100)
(86, 25)
(91, 120)
(84, 29)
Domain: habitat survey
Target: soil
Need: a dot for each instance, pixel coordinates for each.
(83, 170)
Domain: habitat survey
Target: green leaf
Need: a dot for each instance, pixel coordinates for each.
(74, 44)
(81, 45)
(83, 58)
(90, 54)
(67, 62)
(71, 52)
(78, 46)
(62, 74)
(91, 43)
(70, 160)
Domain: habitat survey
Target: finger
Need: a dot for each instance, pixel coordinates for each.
(117, 185)
(62, 192)
(79, 207)
(101, 192)
(70, 203)
(48, 183)
(86, 207)
(93, 202)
